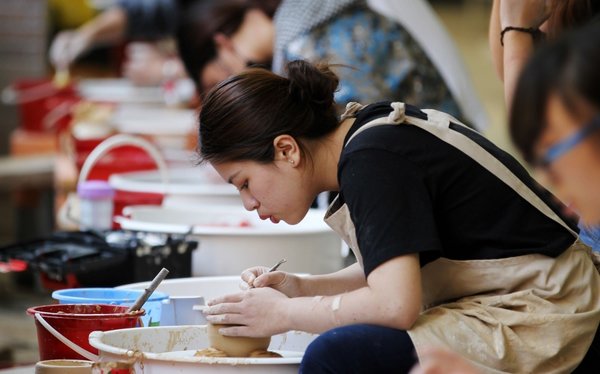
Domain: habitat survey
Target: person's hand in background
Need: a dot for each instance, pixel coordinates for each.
(107, 28)
(67, 46)
(147, 64)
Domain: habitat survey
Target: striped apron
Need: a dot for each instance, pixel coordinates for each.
(523, 314)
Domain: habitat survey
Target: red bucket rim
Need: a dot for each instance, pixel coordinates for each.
(62, 315)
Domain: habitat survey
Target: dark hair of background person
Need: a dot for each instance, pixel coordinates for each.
(241, 116)
(568, 67)
(200, 20)
(569, 14)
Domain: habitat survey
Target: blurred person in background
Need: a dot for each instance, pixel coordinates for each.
(394, 49)
(149, 20)
(555, 118)
(517, 27)
(384, 48)
(555, 124)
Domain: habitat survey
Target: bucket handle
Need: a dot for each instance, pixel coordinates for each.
(83, 352)
(119, 140)
(11, 95)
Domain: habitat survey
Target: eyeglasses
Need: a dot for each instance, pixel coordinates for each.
(564, 146)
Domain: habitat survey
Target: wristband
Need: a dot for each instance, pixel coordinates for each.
(535, 33)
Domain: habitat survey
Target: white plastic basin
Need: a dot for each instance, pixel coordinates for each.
(119, 91)
(207, 287)
(195, 186)
(171, 349)
(232, 239)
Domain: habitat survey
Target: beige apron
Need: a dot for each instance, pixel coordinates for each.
(524, 314)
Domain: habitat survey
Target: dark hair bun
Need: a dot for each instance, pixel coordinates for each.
(312, 84)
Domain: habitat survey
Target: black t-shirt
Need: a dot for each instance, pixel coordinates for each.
(409, 191)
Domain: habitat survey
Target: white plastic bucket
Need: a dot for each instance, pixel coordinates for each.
(119, 91)
(188, 186)
(232, 239)
(159, 350)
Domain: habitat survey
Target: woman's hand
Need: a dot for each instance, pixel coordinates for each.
(67, 46)
(258, 312)
(286, 283)
(524, 13)
(145, 64)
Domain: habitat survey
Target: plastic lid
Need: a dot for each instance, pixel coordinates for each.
(95, 189)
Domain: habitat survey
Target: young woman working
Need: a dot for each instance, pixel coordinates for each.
(456, 245)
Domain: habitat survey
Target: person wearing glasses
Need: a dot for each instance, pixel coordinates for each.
(456, 244)
(390, 49)
(517, 28)
(555, 124)
(555, 120)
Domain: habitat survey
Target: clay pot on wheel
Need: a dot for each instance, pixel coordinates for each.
(235, 346)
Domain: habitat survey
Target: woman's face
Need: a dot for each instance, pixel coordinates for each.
(277, 191)
(575, 173)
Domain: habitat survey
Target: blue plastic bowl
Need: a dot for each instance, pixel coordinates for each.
(114, 296)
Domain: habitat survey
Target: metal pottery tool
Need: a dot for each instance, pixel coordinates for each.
(273, 268)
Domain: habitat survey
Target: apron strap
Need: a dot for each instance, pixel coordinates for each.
(438, 124)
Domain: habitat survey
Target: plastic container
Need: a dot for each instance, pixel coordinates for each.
(188, 186)
(73, 259)
(43, 106)
(207, 287)
(182, 310)
(95, 205)
(232, 239)
(104, 153)
(77, 259)
(112, 162)
(64, 367)
(75, 322)
(114, 296)
(166, 350)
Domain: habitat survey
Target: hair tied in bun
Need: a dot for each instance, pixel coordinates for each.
(312, 85)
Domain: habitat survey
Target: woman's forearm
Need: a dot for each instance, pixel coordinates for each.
(391, 297)
(518, 47)
(494, 40)
(109, 27)
(386, 300)
(345, 280)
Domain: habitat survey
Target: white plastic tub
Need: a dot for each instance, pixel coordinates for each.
(187, 186)
(207, 287)
(161, 350)
(232, 239)
(119, 91)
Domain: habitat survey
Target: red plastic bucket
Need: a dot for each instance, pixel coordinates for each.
(44, 107)
(121, 159)
(76, 322)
